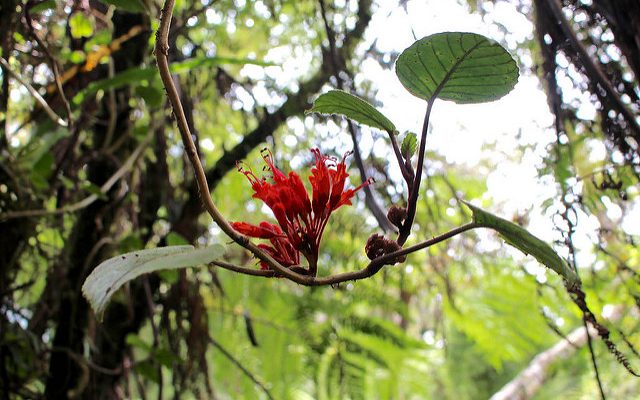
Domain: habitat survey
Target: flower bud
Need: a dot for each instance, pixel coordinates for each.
(396, 215)
(378, 246)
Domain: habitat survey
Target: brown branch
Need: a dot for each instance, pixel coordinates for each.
(371, 269)
(525, 385)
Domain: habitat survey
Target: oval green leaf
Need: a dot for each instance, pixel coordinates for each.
(111, 274)
(352, 107)
(524, 241)
(457, 66)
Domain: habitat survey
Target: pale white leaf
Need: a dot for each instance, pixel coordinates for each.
(111, 274)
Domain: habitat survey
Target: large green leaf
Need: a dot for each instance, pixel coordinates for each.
(524, 241)
(352, 107)
(111, 274)
(457, 66)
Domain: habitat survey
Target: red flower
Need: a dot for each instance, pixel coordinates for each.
(301, 220)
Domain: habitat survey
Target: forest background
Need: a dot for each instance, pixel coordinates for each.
(92, 165)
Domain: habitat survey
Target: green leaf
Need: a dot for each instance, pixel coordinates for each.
(409, 145)
(45, 5)
(111, 274)
(352, 107)
(457, 66)
(524, 241)
(134, 340)
(199, 62)
(80, 26)
(132, 76)
(134, 6)
(152, 95)
(136, 76)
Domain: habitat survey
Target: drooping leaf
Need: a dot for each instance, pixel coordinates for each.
(352, 107)
(457, 66)
(111, 274)
(409, 145)
(524, 241)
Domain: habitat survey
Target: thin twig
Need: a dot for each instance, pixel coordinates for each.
(246, 271)
(405, 165)
(52, 61)
(241, 367)
(594, 361)
(43, 103)
(128, 164)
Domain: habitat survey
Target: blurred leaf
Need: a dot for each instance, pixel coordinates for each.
(137, 76)
(176, 239)
(45, 5)
(151, 95)
(77, 57)
(111, 274)
(80, 26)
(457, 66)
(524, 241)
(134, 340)
(147, 369)
(199, 62)
(352, 107)
(134, 6)
(132, 76)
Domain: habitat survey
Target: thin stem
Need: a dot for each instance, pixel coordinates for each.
(242, 368)
(54, 64)
(414, 191)
(242, 270)
(407, 174)
(43, 103)
(594, 362)
(371, 269)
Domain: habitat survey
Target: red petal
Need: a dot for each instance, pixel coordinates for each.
(264, 231)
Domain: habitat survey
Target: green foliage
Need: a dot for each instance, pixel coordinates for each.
(456, 321)
(353, 107)
(457, 66)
